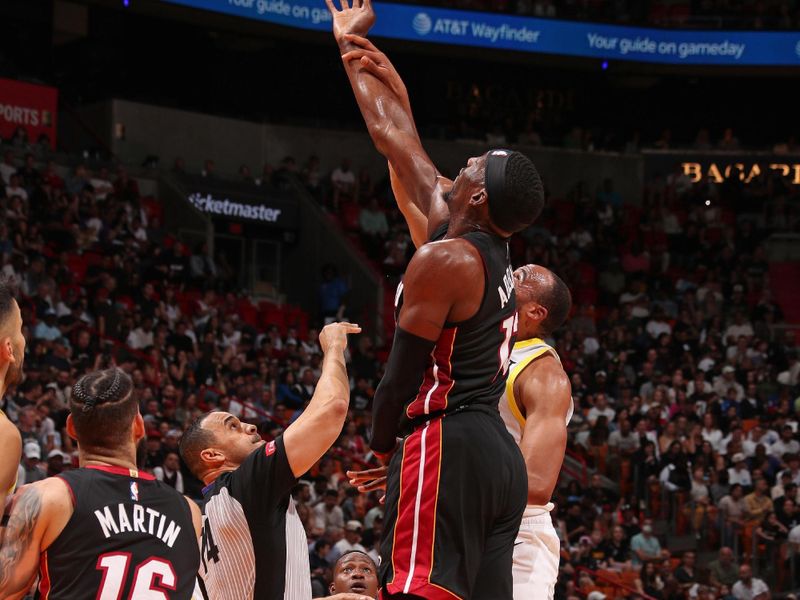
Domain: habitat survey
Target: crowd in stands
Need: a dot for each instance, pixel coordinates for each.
(706, 14)
(685, 382)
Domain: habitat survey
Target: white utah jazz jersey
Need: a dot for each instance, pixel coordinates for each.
(523, 354)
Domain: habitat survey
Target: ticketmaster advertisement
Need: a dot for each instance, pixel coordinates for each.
(547, 36)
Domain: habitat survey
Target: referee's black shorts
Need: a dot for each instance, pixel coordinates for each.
(454, 501)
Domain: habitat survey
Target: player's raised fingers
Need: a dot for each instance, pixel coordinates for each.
(350, 327)
(331, 7)
(353, 55)
(370, 66)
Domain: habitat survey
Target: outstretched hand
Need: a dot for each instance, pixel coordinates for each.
(378, 64)
(369, 480)
(357, 19)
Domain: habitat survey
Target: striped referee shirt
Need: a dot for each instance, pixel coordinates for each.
(254, 545)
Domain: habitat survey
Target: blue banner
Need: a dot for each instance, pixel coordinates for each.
(507, 32)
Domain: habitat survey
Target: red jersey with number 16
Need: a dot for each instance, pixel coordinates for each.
(129, 536)
(469, 364)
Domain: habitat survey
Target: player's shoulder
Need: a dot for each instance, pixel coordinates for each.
(9, 434)
(453, 256)
(52, 493)
(546, 373)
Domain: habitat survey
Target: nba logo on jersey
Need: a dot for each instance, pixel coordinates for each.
(134, 491)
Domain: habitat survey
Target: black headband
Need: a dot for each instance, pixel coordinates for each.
(88, 400)
(495, 184)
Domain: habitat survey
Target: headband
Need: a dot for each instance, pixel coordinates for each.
(495, 184)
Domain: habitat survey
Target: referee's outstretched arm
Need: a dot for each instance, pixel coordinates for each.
(315, 431)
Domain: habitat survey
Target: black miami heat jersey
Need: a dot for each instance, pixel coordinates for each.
(129, 536)
(469, 364)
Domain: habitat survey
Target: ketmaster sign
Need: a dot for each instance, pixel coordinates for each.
(525, 34)
(275, 212)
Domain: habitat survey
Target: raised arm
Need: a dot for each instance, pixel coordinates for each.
(37, 514)
(386, 109)
(10, 450)
(545, 393)
(315, 431)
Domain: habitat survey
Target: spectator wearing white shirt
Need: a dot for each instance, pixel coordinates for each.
(600, 409)
(738, 473)
(711, 433)
(726, 381)
(758, 436)
(343, 180)
(47, 329)
(328, 513)
(624, 441)
(786, 444)
(739, 327)
(101, 184)
(7, 167)
(170, 472)
(350, 542)
(142, 337)
(14, 189)
(749, 587)
(784, 487)
(794, 469)
(658, 325)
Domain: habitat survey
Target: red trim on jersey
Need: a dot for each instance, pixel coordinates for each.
(437, 382)
(71, 491)
(44, 576)
(415, 528)
(122, 471)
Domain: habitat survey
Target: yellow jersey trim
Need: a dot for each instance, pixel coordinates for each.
(519, 368)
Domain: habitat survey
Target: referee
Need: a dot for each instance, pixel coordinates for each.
(254, 546)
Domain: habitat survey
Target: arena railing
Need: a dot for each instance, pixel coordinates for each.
(583, 475)
(611, 581)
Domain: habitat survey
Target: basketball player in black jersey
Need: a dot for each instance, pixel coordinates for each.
(537, 404)
(103, 531)
(456, 488)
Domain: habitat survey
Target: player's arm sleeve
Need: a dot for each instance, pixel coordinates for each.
(401, 382)
(265, 477)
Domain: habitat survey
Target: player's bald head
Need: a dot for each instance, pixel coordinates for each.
(538, 287)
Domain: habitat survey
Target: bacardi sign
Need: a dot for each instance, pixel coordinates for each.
(719, 171)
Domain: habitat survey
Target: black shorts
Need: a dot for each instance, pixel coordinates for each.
(455, 496)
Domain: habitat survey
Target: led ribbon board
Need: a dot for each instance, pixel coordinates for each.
(523, 34)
